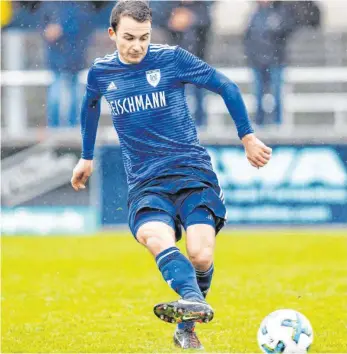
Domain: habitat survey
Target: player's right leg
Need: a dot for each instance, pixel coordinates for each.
(155, 229)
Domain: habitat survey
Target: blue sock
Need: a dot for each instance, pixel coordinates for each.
(179, 273)
(204, 281)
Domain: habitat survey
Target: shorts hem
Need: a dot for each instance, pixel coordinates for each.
(147, 221)
(201, 223)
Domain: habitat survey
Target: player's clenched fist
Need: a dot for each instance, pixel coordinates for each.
(258, 154)
(81, 173)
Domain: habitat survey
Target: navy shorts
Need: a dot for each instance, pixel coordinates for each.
(184, 205)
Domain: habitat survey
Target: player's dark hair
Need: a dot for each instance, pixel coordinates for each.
(136, 9)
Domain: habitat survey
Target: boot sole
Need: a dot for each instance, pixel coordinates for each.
(176, 314)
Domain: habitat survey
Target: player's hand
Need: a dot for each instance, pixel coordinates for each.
(258, 154)
(81, 173)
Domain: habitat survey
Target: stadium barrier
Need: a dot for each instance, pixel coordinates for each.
(36, 195)
(302, 185)
(69, 220)
(294, 102)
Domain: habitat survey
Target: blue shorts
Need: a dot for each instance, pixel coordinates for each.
(177, 202)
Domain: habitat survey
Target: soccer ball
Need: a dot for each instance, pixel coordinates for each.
(285, 331)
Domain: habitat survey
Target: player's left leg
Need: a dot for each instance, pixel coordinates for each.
(202, 214)
(200, 244)
(187, 339)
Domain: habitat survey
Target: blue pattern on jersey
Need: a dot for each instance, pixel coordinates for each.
(150, 112)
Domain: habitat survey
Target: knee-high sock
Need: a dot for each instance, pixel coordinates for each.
(204, 279)
(179, 273)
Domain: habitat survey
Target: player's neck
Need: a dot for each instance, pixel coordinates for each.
(125, 62)
(122, 60)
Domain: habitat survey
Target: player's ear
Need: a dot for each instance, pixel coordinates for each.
(111, 33)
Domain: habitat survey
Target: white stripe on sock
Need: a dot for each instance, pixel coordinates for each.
(165, 255)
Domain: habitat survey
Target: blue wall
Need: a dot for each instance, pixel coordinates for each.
(301, 185)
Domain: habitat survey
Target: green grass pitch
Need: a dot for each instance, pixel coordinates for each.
(95, 294)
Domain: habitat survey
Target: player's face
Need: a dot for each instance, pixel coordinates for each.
(132, 39)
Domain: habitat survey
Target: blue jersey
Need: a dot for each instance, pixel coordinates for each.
(150, 113)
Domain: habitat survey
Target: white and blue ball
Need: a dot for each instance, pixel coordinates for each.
(285, 331)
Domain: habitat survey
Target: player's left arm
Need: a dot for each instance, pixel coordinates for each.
(258, 154)
(191, 69)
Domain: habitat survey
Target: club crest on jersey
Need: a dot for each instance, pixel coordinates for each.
(153, 77)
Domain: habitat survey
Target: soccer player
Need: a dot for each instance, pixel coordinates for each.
(170, 177)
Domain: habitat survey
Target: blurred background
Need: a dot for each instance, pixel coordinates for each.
(285, 242)
(288, 57)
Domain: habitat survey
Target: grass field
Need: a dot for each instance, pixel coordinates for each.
(95, 294)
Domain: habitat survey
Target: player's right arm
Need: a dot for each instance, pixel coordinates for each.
(90, 114)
